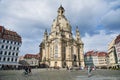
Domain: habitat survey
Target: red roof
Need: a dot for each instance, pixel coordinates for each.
(117, 40)
(9, 35)
(90, 53)
(96, 53)
(102, 54)
(37, 56)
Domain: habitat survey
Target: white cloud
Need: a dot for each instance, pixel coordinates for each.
(98, 42)
(30, 46)
(31, 17)
(111, 20)
(115, 4)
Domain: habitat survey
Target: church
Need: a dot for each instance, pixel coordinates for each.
(59, 48)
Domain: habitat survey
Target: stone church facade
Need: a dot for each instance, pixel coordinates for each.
(59, 48)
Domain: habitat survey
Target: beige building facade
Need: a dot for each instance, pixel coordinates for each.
(59, 48)
(32, 59)
(95, 58)
(111, 53)
(114, 53)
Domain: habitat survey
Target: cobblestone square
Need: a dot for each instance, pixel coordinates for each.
(43, 74)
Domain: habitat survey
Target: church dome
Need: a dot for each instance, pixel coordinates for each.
(61, 21)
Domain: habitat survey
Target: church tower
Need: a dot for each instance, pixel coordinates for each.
(59, 48)
(45, 35)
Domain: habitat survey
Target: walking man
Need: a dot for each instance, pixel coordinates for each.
(89, 71)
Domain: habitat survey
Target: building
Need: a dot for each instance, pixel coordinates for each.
(10, 43)
(95, 58)
(32, 59)
(59, 48)
(102, 59)
(117, 47)
(114, 53)
(91, 58)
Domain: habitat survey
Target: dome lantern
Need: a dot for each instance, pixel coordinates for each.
(61, 11)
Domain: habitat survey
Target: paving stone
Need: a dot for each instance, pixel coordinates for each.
(44, 74)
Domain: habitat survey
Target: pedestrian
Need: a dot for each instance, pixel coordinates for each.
(29, 70)
(89, 71)
(67, 67)
(26, 70)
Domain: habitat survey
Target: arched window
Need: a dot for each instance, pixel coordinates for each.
(56, 51)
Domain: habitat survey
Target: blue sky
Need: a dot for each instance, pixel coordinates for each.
(98, 20)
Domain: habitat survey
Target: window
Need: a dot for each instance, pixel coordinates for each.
(17, 48)
(11, 42)
(14, 48)
(12, 59)
(2, 46)
(10, 47)
(8, 59)
(16, 54)
(3, 41)
(16, 59)
(6, 47)
(9, 53)
(5, 53)
(1, 52)
(56, 51)
(13, 53)
(59, 18)
(4, 59)
(7, 41)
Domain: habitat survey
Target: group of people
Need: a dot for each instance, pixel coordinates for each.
(27, 70)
